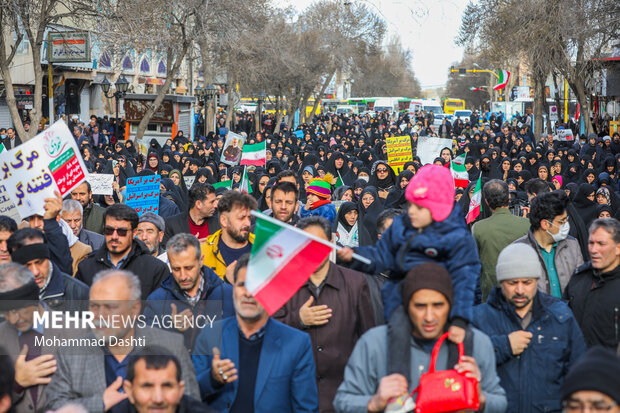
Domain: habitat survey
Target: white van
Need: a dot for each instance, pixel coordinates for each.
(386, 104)
(346, 110)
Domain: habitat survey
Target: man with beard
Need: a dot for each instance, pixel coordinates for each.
(530, 331)
(92, 213)
(92, 374)
(151, 229)
(284, 197)
(73, 214)
(264, 366)
(234, 238)
(191, 290)
(122, 251)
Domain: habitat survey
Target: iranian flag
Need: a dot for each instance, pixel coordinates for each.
(245, 187)
(459, 173)
(504, 75)
(283, 258)
(475, 204)
(254, 154)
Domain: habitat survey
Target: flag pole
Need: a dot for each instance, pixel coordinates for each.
(307, 234)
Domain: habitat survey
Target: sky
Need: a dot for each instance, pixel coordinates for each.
(426, 27)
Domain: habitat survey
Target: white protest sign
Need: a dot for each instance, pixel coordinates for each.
(233, 147)
(46, 163)
(7, 206)
(564, 135)
(101, 184)
(189, 181)
(430, 148)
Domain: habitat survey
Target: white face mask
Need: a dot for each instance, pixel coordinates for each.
(365, 178)
(562, 233)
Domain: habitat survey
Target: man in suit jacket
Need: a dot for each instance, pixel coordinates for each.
(11, 141)
(264, 366)
(93, 375)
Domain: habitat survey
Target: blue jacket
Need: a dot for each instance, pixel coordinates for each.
(285, 380)
(402, 247)
(533, 379)
(327, 211)
(216, 300)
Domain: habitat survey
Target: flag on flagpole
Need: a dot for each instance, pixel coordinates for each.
(504, 75)
(282, 259)
(254, 154)
(475, 204)
(459, 173)
(339, 181)
(245, 187)
(223, 184)
(476, 89)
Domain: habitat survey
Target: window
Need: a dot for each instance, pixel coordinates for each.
(161, 67)
(127, 63)
(105, 61)
(145, 66)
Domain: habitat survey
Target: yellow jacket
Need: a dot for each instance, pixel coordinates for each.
(212, 256)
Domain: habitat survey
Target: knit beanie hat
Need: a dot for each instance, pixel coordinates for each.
(321, 187)
(518, 260)
(428, 275)
(598, 370)
(433, 188)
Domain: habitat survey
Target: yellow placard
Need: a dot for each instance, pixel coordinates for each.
(399, 152)
(613, 126)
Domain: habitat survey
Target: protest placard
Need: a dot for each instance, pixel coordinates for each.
(35, 169)
(142, 193)
(398, 152)
(7, 206)
(189, 181)
(232, 149)
(101, 184)
(564, 135)
(430, 148)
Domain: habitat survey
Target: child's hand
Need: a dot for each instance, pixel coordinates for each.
(457, 334)
(308, 205)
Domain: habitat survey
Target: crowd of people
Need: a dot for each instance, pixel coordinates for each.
(526, 297)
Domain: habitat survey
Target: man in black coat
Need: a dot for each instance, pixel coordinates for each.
(122, 251)
(59, 290)
(593, 291)
(12, 140)
(200, 220)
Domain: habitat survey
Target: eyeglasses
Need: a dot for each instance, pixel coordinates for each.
(383, 170)
(574, 406)
(120, 231)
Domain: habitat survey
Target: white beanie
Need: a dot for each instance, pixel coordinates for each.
(518, 260)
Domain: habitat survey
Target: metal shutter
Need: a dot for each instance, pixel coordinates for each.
(5, 115)
(184, 120)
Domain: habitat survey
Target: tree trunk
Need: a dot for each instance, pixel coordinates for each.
(279, 114)
(230, 109)
(580, 91)
(539, 103)
(150, 111)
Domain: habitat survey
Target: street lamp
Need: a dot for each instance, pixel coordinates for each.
(121, 90)
(205, 94)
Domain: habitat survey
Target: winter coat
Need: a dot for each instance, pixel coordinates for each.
(93, 239)
(594, 299)
(567, 259)
(215, 301)
(327, 211)
(533, 379)
(212, 255)
(65, 293)
(402, 247)
(347, 294)
(93, 218)
(492, 235)
(149, 269)
(369, 364)
(187, 404)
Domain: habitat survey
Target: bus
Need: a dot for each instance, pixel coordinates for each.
(450, 105)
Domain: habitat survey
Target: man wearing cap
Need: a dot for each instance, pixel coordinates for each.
(59, 290)
(382, 369)
(530, 330)
(593, 382)
(151, 229)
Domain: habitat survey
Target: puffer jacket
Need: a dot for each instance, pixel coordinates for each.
(147, 268)
(215, 301)
(212, 255)
(567, 259)
(557, 343)
(448, 243)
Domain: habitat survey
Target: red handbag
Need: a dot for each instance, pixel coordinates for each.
(446, 390)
